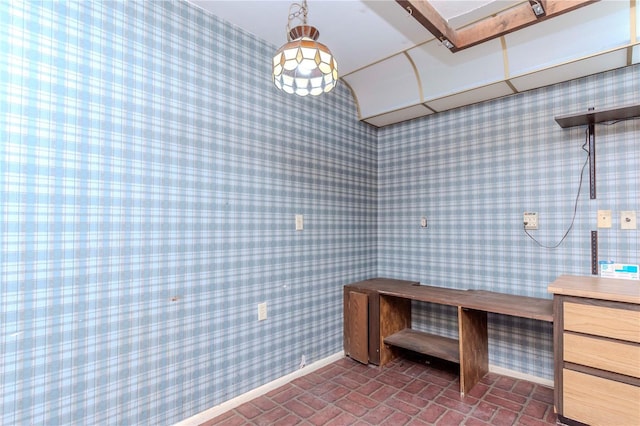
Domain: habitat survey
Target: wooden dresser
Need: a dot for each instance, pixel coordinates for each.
(597, 350)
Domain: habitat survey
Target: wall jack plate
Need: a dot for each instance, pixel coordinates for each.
(530, 220)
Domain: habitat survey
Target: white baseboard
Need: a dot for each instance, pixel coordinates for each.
(518, 375)
(259, 391)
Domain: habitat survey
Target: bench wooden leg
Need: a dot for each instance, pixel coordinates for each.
(474, 347)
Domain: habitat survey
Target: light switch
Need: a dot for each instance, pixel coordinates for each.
(604, 218)
(299, 222)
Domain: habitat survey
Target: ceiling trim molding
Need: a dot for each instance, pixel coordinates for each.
(415, 70)
(503, 23)
(355, 97)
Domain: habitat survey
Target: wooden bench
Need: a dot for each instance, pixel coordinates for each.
(377, 319)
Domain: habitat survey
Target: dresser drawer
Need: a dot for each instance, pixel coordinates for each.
(602, 321)
(604, 354)
(597, 401)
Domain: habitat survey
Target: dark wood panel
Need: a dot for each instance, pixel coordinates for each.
(425, 343)
(474, 347)
(395, 315)
(358, 326)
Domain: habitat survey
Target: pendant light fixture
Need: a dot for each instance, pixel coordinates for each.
(303, 66)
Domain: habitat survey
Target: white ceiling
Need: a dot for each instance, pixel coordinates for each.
(397, 70)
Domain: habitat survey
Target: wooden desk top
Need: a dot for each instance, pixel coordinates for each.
(480, 300)
(597, 288)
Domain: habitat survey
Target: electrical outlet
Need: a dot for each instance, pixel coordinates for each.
(628, 219)
(604, 218)
(262, 311)
(530, 221)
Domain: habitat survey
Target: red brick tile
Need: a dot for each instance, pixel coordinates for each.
(484, 411)
(313, 401)
(551, 417)
(344, 419)
(351, 407)
(347, 382)
(322, 388)
(453, 404)
(393, 379)
(356, 377)
(431, 413)
(303, 383)
(508, 395)
(323, 416)
(368, 388)
(383, 393)
(489, 379)
(450, 418)
(398, 404)
(287, 394)
(249, 410)
(475, 422)
(376, 415)
(504, 418)
(431, 392)
(271, 417)
(398, 419)
(263, 403)
(479, 390)
(416, 386)
(530, 421)
(543, 394)
(523, 388)
(505, 383)
(412, 399)
(455, 395)
(501, 402)
(536, 409)
(417, 422)
(362, 400)
(230, 418)
(298, 408)
(335, 394)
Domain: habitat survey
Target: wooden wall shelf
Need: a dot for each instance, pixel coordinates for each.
(598, 116)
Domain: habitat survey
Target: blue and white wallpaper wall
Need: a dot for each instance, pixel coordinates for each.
(474, 171)
(149, 178)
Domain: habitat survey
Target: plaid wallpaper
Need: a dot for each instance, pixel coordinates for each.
(474, 171)
(149, 178)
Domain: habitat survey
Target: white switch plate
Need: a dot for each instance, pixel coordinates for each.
(628, 219)
(604, 218)
(530, 220)
(299, 222)
(423, 222)
(262, 311)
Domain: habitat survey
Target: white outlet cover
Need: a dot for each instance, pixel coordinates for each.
(604, 218)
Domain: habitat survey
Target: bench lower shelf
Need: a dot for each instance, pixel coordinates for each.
(426, 344)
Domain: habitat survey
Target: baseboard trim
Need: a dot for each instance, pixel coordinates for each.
(259, 391)
(518, 375)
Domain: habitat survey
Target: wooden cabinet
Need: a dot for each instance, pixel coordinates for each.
(597, 350)
(364, 325)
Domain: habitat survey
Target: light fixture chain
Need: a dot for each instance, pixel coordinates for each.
(300, 13)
